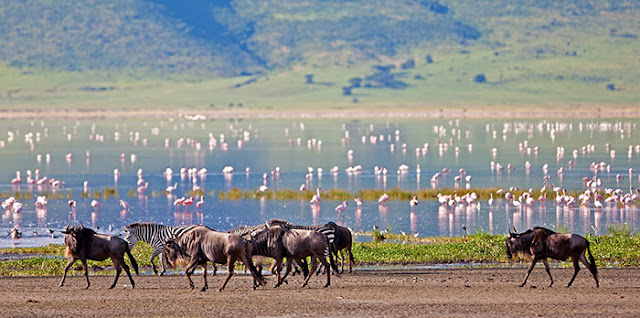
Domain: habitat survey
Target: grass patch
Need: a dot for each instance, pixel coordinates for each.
(616, 250)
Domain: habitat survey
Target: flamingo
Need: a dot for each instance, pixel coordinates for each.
(170, 189)
(413, 202)
(316, 197)
(124, 204)
(187, 202)
(41, 201)
(17, 179)
(383, 199)
(143, 188)
(200, 203)
(95, 205)
(178, 202)
(358, 202)
(597, 204)
(490, 201)
(17, 207)
(303, 187)
(341, 207)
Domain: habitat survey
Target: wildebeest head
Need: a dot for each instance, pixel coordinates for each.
(172, 251)
(75, 236)
(518, 243)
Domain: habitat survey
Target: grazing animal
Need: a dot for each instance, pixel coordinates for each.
(343, 240)
(156, 235)
(299, 244)
(543, 243)
(202, 244)
(84, 243)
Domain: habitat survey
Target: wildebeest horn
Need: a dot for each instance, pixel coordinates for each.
(65, 230)
(514, 230)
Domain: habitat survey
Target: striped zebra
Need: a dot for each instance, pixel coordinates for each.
(154, 234)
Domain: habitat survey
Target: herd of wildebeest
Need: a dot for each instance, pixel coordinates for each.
(280, 240)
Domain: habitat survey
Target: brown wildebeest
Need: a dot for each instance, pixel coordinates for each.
(84, 243)
(202, 244)
(300, 244)
(543, 243)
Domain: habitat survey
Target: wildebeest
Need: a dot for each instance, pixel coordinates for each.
(300, 244)
(201, 244)
(543, 243)
(84, 243)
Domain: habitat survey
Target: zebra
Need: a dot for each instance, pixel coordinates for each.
(156, 235)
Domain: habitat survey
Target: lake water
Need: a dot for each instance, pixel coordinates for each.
(89, 151)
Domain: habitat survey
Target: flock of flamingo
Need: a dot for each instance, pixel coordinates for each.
(594, 194)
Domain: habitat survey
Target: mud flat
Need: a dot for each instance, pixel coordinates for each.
(389, 293)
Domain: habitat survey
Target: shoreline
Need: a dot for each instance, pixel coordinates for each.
(377, 113)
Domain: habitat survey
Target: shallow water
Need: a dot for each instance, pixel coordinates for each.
(294, 146)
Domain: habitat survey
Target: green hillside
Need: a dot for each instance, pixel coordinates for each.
(284, 55)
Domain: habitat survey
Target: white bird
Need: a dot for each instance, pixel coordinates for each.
(124, 204)
(383, 199)
(15, 233)
(358, 202)
(490, 201)
(413, 202)
(95, 205)
(341, 207)
(316, 197)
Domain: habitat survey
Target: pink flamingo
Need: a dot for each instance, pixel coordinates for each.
(178, 202)
(342, 207)
(95, 205)
(17, 179)
(187, 202)
(124, 204)
(383, 199)
(413, 202)
(316, 197)
(170, 189)
(200, 203)
(358, 202)
(143, 188)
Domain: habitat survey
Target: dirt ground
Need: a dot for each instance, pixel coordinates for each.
(390, 293)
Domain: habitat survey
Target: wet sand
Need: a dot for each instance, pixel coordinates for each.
(392, 293)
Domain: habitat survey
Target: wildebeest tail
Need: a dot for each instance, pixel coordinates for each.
(592, 261)
(132, 260)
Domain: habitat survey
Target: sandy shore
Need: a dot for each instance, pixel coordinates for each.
(377, 112)
(395, 293)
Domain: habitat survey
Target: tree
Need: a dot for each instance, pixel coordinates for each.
(308, 79)
(480, 78)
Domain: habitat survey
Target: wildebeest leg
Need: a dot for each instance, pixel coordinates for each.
(591, 267)
(66, 268)
(187, 271)
(231, 262)
(576, 266)
(546, 267)
(276, 268)
(117, 265)
(204, 276)
(533, 264)
(328, 269)
(155, 253)
(352, 261)
(126, 270)
(288, 270)
(314, 266)
(86, 272)
(341, 261)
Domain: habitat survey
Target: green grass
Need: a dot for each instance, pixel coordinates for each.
(616, 250)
